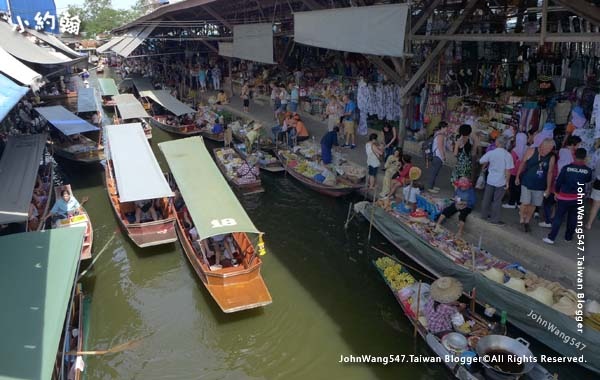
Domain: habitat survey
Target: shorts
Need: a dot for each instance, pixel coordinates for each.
(349, 127)
(531, 197)
(595, 195)
(246, 102)
(373, 171)
(462, 213)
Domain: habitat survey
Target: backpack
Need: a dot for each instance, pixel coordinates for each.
(427, 147)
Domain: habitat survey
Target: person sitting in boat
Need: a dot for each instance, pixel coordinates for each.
(97, 119)
(248, 171)
(442, 305)
(33, 217)
(84, 74)
(299, 131)
(252, 137)
(54, 91)
(218, 127)
(224, 250)
(464, 202)
(65, 207)
(222, 98)
(143, 209)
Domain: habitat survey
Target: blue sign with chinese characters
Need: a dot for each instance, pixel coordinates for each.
(35, 14)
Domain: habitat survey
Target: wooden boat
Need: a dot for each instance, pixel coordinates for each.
(160, 122)
(225, 156)
(82, 219)
(239, 134)
(145, 125)
(67, 95)
(267, 163)
(217, 137)
(479, 327)
(80, 149)
(73, 344)
(342, 187)
(237, 283)
(124, 140)
(46, 173)
(129, 110)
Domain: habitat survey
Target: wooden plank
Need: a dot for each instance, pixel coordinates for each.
(544, 29)
(424, 16)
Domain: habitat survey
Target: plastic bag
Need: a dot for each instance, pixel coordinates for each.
(480, 184)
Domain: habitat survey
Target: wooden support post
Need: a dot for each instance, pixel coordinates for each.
(544, 22)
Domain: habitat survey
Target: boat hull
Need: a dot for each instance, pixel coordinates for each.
(232, 289)
(186, 130)
(88, 237)
(331, 191)
(254, 187)
(145, 234)
(271, 168)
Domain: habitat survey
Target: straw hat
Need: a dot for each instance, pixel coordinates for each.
(542, 294)
(414, 173)
(516, 284)
(446, 289)
(494, 274)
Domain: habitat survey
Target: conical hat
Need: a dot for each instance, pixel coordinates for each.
(414, 173)
(446, 289)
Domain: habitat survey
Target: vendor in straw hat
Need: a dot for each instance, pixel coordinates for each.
(252, 137)
(464, 201)
(442, 304)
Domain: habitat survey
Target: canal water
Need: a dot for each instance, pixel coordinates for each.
(328, 300)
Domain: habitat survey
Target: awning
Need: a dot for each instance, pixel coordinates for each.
(54, 42)
(134, 39)
(65, 121)
(108, 87)
(377, 29)
(86, 100)
(22, 48)
(113, 41)
(142, 84)
(137, 172)
(18, 71)
(164, 98)
(37, 273)
(214, 209)
(10, 95)
(129, 107)
(18, 172)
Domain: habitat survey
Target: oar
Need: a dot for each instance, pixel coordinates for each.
(97, 256)
(121, 347)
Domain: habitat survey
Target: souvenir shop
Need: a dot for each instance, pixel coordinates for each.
(497, 86)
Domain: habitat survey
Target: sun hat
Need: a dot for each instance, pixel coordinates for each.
(414, 173)
(446, 290)
(463, 182)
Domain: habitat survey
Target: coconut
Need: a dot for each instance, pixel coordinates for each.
(494, 274)
(516, 284)
(542, 294)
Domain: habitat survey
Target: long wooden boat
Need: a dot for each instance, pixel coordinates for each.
(244, 185)
(143, 234)
(237, 283)
(343, 187)
(160, 121)
(67, 95)
(425, 251)
(73, 343)
(458, 369)
(265, 163)
(145, 124)
(84, 150)
(46, 173)
(82, 219)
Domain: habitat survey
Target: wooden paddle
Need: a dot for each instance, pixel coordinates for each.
(132, 344)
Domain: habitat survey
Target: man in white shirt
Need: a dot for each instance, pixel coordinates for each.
(499, 163)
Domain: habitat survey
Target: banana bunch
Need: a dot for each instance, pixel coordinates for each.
(401, 281)
(384, 262)
(465, 328)
(593, 321)
(391, 271)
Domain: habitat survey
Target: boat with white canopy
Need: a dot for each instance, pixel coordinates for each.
(70, 143)
(178, 117)
(130, 110)
(213, 229)
(136, 186)
(24, 200)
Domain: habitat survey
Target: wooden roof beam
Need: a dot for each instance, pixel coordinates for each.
(512, 37)
(216, 15)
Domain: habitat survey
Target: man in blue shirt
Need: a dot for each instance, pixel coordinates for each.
(349, 122)
(65, 207)
(328, 141)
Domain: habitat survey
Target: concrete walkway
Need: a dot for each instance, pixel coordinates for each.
(509, 242)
